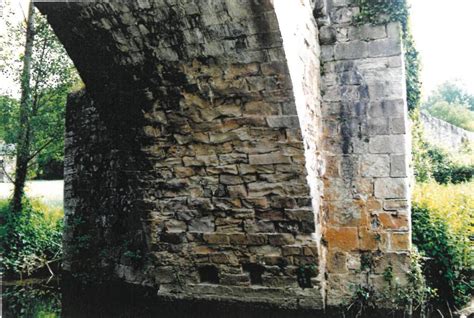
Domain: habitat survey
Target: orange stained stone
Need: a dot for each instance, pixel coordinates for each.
(400, 241)
(369, 240)
(344, 238)
(392, 222)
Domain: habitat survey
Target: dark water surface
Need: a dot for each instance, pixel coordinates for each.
(61, 298)
(66, 298)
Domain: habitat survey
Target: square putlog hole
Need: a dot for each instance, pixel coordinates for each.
(208, 274)
(255, 271)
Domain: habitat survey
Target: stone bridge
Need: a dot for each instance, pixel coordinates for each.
(250, 150)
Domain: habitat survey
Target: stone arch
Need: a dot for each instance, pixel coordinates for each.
(218, 139)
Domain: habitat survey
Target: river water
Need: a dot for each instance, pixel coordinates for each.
(54, 298)
(61, 298)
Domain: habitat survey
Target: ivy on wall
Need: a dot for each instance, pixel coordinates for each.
(384, 11)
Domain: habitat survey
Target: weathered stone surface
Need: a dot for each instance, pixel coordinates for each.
(212, 134)
(387, 144)
(391, 188)
(270, 158)
(351, 50)
(343, 238)
(398, 166)
(365, 145)
(375, 166)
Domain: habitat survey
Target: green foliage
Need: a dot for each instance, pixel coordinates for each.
(412, 71)
(445, 170)
(422, 162)
(304, 275)
(30, 240)
(456, 114)
(451, 92)
(52, 77)
(452, 103)
(8, 113)
(381, 12)
(433, 163)
(39, 301)
(449, 265)
(415, 294)
(366, 262)
(408, 294)
(364, 301)
(385, 11)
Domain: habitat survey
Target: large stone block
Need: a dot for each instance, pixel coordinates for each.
(388, 144)
(351, 50)
(384, 47)
(398, 166)
(375, 165)
(391, 188)
(269, 158)
(342, 238)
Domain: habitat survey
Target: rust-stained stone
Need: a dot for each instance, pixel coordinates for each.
(400, 241)
(369, 240)
(343, 238)
(394, 221)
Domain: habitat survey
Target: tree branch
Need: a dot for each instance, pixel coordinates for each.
(40, 149)
(37, 78)
(6, 173)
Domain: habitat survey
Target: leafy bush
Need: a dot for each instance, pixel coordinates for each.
(30, 240)
(452, 103)
(32, 300)
(456, 114)
(411, 297)
(431, 162)
(452, 92)
(422, 163)
(442, 222)
(446, 170)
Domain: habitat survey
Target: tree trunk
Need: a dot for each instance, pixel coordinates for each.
(24, 131)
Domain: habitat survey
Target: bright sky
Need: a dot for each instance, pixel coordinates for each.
(19, 9)
(443, 31)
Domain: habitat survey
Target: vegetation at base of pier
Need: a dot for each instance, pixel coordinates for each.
(443, 217)
(30, 240)
(443, 228)
(410, 294)
(32, 300)
(32, 119)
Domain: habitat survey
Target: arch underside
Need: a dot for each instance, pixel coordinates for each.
(199, 160)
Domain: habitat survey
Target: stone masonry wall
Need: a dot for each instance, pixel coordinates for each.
(186, 167)
(224, 149)
(366, 185)
(443, 134)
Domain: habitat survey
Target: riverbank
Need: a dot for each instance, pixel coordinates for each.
(67, 297)
(49, 192)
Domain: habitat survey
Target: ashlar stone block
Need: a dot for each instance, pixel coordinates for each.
(375, 165)
(389, 144)
(351, 50)
(391, 188)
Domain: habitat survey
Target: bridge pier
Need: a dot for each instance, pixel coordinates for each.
(226, 150)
